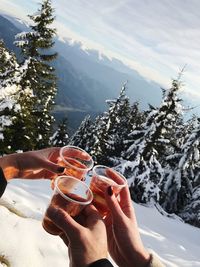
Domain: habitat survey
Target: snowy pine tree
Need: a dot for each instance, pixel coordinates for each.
(9, 91)
(8, 65)
(83, 136)
(150, 145)
(39, 76)
(182, 174)
(60, 137)
(110, 129)
(99, 138)
(119, 114)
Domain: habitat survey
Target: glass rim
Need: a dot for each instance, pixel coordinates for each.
(106, 167)
(76, 147)
(71, 199)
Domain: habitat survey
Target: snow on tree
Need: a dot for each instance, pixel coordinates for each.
(191, 212)
(60, 137)
(182, 174)
(39, 76)
(118, 122)
(150, 145)
(8, 65)
(83, 136)
(8, 96)
(110, 129)
(99, 137)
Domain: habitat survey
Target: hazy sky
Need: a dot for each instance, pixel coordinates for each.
(155, 37)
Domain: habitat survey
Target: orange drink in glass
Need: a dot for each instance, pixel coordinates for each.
(69, 194)
(77, 162)
(102, 178)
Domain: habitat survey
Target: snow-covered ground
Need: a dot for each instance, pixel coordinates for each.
(25, 244)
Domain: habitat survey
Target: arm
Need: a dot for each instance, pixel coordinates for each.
(124, 241)
(31, 164)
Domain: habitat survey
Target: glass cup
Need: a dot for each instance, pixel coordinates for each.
(71, 195)
(77, 162)
(102, 178)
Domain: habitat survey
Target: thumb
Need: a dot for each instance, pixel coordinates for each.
(113, 204)
(53, 167)
(64, 221)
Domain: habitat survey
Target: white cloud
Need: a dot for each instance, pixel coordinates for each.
(156, 38)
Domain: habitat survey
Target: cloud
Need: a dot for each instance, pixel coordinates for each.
(156, 38)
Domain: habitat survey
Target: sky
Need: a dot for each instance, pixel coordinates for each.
(156, 38)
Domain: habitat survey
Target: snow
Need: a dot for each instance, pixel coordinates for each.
(24, 242)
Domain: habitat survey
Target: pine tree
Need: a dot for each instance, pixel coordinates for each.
(9, 91)
(191, 212)
(150, 145)
(99, 138)
(39, 76)
(119, 114)
(109, 128)
(8, 65)
(182, 174)
(83, 136)
(60, 137)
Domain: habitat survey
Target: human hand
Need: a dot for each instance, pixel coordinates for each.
(85, 235)
(124, 242)
(32, 164)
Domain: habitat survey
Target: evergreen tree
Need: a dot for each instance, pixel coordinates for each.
(119, 114)
(8, 66)
(182, 174)
(110, 128)
(149, 146)
(83, 136)
(60, 137)
(39, 76)
(99, 138)
(8, 97)
(191, 212)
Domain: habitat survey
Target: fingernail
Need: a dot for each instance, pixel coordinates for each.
(61, 169)
(110, 191)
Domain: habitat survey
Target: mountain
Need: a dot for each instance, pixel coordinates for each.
(111, 73)
(85, 80)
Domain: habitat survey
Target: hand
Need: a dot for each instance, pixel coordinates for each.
(85, 237)
(124, 242)
(32, 164)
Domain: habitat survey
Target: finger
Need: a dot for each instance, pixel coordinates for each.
(92, 217)
(90, 210)
(125, 202)
(52, 167)
(64, 221)
(75, 153)
(113, 204)
(117, 177)
(125, 197)
(53, 154)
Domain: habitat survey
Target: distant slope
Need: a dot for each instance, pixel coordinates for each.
(75, 89)
(85, 81)
(110, 73)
